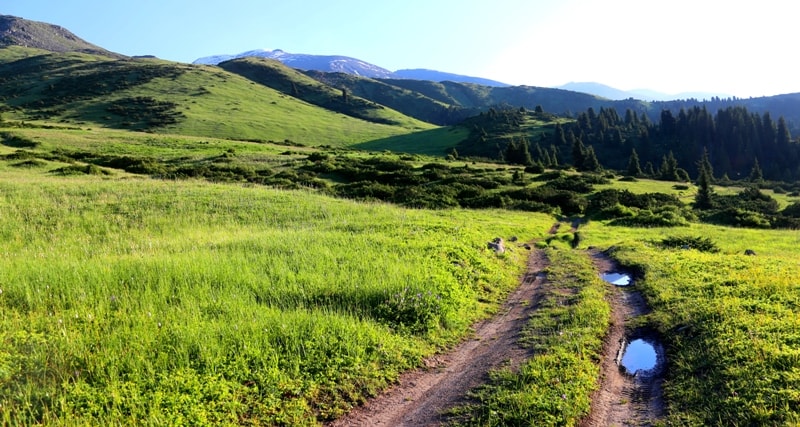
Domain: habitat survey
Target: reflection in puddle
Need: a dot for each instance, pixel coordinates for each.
(639, 355)
(617, 279)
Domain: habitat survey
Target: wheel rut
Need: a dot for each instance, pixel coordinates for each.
(624, 399)
(422, 396)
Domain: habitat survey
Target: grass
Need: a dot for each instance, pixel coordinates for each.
(136, 301)
(729, 322)
(132, 300)
(80, 89)
(434, 142)
(553, 387)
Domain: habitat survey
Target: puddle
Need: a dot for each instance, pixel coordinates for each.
(618, 279)
(639, 355)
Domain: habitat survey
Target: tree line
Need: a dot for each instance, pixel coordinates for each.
(738, 144)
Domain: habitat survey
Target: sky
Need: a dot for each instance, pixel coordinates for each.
(741, 48)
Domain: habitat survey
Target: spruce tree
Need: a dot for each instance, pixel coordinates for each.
(578, 153)
(590, 162)
(553, 156)
(669, 168)
(755, 173)
(634, 169)
(705, 175)
(705, 166)
(649, 170)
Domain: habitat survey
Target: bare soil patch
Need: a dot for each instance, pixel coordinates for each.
(623, 399)
(422, 396)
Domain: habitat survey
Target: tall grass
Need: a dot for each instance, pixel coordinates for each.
(150, 302)
(565, 334)
(730, 325)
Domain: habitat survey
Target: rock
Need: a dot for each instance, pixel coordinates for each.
(497, 245)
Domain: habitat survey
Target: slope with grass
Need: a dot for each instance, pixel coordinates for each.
(274, 74)
(729, 321)
(131, 300)
(161, 96)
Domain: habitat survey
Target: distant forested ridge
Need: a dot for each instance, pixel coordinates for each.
(736, 140)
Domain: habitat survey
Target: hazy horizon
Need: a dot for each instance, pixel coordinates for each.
(711, 46)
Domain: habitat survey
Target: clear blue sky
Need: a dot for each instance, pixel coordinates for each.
(741, 48)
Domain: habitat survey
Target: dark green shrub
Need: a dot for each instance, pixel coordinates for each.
(31, 163)
(793, 210)
(10, 140)
(703, 244)
(534, 168)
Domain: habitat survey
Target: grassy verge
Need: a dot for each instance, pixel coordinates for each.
(134, 301)
(554, 386)
(730, 326)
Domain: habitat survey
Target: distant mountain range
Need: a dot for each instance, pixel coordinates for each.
(615, 94)
(102, 90)
(346, 64)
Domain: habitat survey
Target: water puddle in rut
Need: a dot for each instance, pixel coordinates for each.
(639, 355)
(618, 279)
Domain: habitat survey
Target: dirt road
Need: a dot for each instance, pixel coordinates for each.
(422, 395)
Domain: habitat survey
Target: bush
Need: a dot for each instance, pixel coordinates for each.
(411, 310)
(703, 244)
(793, 210)
(665, 216)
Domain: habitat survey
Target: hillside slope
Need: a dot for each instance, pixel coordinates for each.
(16, 31)
(276, 75)
(162, 96)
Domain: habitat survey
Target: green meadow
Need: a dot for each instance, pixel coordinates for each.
(137, 299)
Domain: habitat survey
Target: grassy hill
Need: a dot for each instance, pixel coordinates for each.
(248, 303)
(16, 31)
(161, 96)
(409, 102)
(292, 82)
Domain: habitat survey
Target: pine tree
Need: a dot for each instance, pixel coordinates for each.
(590, 162)
(669, 168)
(755, 173)
(634, 169)
(649, 170)
(578, 153)
(705, 174)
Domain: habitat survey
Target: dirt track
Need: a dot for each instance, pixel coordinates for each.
(421, 396)
(623, 399)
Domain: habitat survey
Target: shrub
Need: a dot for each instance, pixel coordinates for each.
(793, 210)
(411, 310)
(703, 244)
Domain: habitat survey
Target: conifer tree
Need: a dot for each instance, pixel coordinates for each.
(755, 174)
(553, 156)
(669, 168)
(705, 174)
(578, 153)
(649, 170)
(634, 169)
(590, 162)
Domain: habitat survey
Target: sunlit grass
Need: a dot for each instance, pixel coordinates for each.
(554, 386)
(729, 321)
(138, 301)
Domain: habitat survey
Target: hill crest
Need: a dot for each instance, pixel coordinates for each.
(16, 31)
